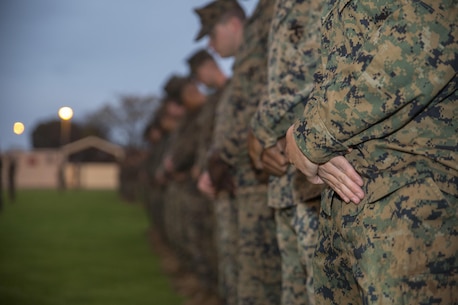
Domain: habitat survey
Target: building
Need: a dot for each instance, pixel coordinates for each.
(49, 168)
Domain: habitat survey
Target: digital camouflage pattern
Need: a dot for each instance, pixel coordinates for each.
(259, 277)
(389, 92)
(387, 100)
(297, 232)
(193, 209)
(219, 211)
(293, 60)
(249, 79)
(400, 250)
(206, 122)
(223, 115)
(227, 232)
(226, 213)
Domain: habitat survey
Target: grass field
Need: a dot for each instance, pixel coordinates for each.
(78, 247)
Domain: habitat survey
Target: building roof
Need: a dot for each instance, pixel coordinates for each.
(96, 142)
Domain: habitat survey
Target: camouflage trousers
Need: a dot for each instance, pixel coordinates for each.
(199, 226)
(226, 243)
(155, 209)
(259, 273)
(174, 199)
(297, 230)
(402, 249)
(189, 226)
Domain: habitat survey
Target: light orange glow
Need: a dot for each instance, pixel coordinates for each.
(18, 128)
(65, 113)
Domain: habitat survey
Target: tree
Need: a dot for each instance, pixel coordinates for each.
(125, 122)
(48, 135)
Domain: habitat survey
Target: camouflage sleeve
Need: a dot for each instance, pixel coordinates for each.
(385, 64)
(234, 131)
(247, 84)
(206, 122)
(293, 56)
(222, 117)
(183, 150)
(250, 76)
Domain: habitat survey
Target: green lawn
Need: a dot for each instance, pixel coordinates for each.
(78, 247)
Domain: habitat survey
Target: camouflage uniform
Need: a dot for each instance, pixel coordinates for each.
(219, 260)
(174, 197)
(293, 60)
(154, 192)
(195, 210)
(225, 213)
(388, 92)
(259, 275)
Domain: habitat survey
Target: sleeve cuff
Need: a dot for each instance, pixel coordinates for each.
(313, 137)
(266, 136)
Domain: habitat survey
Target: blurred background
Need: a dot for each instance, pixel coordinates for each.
(93, 56)
(79, 82)
(90, 70)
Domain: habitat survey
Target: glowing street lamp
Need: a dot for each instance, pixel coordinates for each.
(65, 114)
(18, 128)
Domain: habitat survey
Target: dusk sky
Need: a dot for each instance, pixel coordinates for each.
(85, 53)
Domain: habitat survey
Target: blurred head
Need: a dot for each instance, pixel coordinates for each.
(152, 132)
(205, 69)
(173, 86)
(170, 114)
(154, 135)
(222, 21)
(174, 108)
(191, 96)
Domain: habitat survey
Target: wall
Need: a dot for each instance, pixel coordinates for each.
(39, 169)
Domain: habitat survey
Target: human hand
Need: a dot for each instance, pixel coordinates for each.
(255, 150)
(296, 157)
(205, 186)
(168, 164)
(340, 175)
(274, 159)
(220, 174)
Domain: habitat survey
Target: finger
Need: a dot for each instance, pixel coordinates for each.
(346, 187)
(341, 167)
(344, 166)
(281, 145)
(275, 156)
(341, 191)
(274, 167)
(257, 163)
(274, 170)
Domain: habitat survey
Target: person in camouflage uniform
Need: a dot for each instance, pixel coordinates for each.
(205, 69)
(293, 59)
(387, 105)
(152, 195)
(196, 210)
(179, 263)
(259, 276)
(225, 204)
(157, 134)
